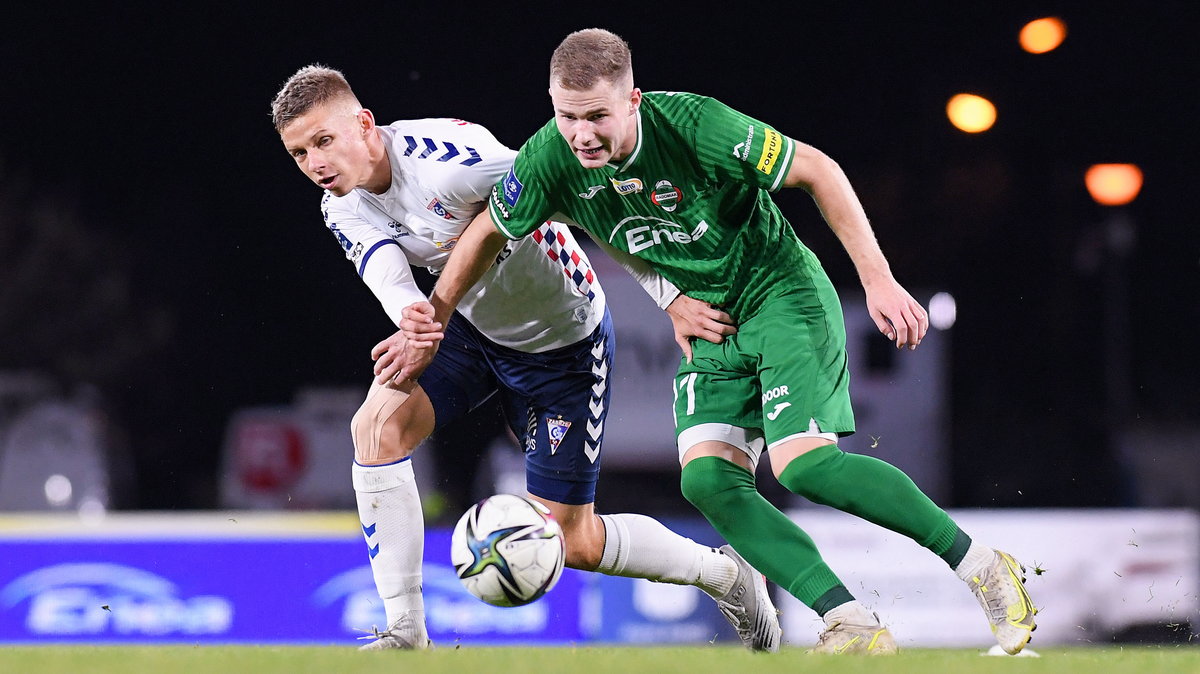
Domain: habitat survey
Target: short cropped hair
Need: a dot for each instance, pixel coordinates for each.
(587, 57)
(311, 86)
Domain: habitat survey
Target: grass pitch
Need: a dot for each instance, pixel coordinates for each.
(582, 660)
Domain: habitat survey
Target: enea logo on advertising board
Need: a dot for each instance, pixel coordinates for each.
(450, 611)
(102, 599)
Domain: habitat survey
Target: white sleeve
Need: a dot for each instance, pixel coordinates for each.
(390, 277)
(662, 291)
(378, 258)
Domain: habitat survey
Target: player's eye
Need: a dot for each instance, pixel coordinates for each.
(325, 140)
(299, 154)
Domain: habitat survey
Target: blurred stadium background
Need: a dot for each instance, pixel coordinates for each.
(183, 345)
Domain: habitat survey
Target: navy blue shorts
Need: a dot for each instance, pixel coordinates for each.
(555, 401)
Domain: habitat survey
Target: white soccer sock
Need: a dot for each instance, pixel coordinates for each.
(637, 546)
(852, 613)
(390, 510)
(974, 563)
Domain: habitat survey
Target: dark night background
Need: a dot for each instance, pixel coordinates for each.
(157, 243)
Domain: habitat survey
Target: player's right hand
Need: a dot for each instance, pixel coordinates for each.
(693, 318)
(419, 327)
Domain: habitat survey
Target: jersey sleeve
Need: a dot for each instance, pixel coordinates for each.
(522, 200)
(378, 258)
(735, 146)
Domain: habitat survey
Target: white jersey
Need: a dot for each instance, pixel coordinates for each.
(541, 294)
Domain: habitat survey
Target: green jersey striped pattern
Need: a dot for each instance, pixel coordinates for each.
(692, 199)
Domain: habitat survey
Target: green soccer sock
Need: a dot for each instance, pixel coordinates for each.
(877, 492)
(765, 537)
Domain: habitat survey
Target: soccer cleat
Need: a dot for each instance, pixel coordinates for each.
(1000, 590)
(402, 634)
(748, 607)
(845, 638)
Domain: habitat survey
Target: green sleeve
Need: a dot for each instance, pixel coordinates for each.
(736, 147)
(521, 201)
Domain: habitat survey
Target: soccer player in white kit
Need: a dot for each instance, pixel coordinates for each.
(535, 331)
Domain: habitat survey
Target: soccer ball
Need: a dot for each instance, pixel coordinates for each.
(507, 550)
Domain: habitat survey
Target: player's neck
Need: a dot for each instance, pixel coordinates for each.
(380, 180)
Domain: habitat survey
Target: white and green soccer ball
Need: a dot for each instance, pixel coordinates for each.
(507, 550)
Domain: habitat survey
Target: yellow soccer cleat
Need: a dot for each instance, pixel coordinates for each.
(1000, 590)
(845, 638)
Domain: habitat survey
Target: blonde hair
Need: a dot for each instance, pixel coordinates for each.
(586, 57)
(311, 86)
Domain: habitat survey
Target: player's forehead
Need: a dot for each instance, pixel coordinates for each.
(602, 97)
(330, 117)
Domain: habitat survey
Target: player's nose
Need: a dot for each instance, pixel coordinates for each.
(316, 162)
(585, 132)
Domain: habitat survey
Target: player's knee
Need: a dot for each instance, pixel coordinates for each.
(703, 489)
(378, 440)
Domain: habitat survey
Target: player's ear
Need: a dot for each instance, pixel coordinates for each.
(366, 120)
(635, 100)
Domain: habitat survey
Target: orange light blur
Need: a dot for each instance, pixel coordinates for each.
(1113, 184)
(1043, 35)
(971, 113)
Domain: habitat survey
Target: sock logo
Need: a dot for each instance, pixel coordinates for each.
(779, 407)
(370, 531)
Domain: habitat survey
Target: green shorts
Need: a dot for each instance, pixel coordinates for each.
(782, 375)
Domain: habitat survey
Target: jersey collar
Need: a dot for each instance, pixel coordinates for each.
(637, 147)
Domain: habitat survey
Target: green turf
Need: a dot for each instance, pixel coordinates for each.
(582, 660)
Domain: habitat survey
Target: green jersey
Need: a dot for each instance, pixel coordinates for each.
(692, 199)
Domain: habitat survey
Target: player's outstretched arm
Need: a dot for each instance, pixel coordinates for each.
(897, 315)
(473, 255)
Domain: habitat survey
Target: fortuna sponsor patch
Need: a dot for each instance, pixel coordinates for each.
(772, 146)
(512, 188)
(557, 430)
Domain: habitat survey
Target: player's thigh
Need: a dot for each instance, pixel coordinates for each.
(737, 454)
(716, 410)
(460, 378)
(565, 396)
(803, 374)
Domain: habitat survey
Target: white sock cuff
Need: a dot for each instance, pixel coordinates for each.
(616, 536)
(370, 479)
(977, 559)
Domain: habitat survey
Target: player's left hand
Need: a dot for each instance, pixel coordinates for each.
(419, 327)
(898, 316)
(398, 359)
(693, 318)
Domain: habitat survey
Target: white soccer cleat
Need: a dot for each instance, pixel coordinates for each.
(1000, 590)
(402, 634)
(748, 607)
(842, 637)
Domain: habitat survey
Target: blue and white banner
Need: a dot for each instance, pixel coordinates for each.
(289, 579)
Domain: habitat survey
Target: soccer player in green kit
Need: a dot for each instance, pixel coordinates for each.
(684, 182)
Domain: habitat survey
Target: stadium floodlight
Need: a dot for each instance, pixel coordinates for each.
(1113, 184)
(1042, 35)
(971, 113)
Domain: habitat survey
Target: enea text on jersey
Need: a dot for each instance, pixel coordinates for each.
(658, 231)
